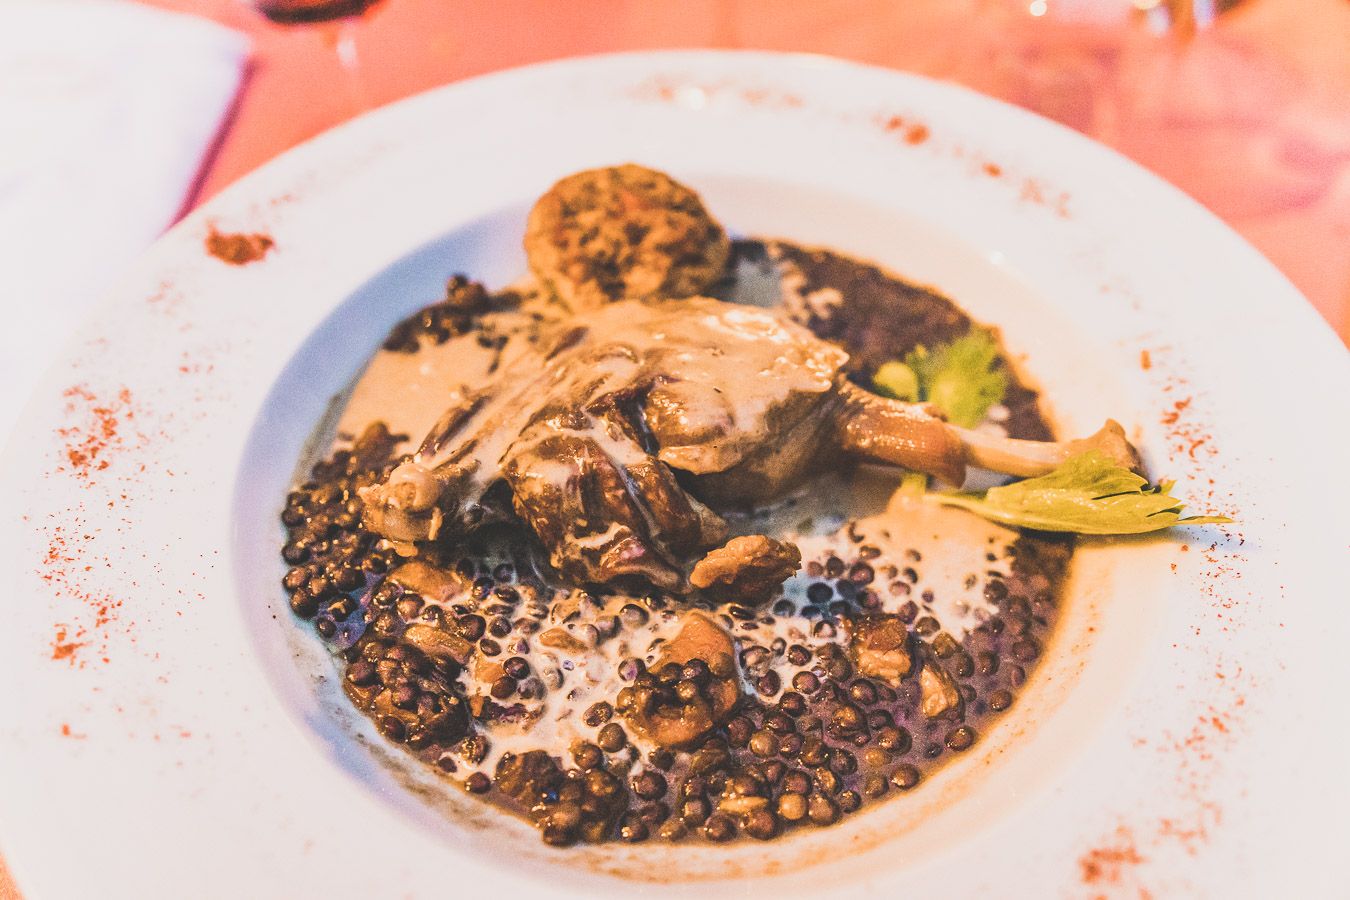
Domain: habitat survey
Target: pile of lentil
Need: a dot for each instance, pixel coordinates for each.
(462, 658)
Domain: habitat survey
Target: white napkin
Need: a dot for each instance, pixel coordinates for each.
(107, 110)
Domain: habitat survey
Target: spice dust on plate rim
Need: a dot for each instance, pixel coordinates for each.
(121, 691)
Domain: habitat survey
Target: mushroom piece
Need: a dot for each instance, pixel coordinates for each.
(583, 433)
(747, 569)
(670, 719)
(559, 639)
(528, 778)
(432, 583)
(438, 643)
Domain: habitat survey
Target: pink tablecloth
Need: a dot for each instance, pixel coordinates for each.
(1252, 116)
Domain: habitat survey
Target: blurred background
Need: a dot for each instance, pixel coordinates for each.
(119, 116)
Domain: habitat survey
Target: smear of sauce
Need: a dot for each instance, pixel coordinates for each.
(410, 391)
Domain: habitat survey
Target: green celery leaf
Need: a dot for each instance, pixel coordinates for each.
(963, 378)
(897, 381)
(1088, 494)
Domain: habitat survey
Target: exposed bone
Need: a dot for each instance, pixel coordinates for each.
(581, 436)
(902, 434)
(1031, 458)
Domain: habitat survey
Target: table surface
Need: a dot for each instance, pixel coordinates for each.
(1251, 116)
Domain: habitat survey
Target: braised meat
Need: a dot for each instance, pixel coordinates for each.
(583, 433)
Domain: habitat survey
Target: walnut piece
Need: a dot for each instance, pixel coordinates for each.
(938, 692)
(747, 569)
(878, 647)
(438, 644)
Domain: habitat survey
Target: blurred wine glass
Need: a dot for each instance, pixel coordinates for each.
(308, 12)
(341, 19)
(1174, 85)
(1239, 104)
(1160, 16)
(1182, 17)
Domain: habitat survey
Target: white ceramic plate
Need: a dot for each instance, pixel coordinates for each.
(169, 730)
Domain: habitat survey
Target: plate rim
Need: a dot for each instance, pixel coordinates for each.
(329, 141)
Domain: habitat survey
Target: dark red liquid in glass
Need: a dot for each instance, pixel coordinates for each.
(304, 12)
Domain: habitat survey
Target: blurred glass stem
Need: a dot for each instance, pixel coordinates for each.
(1181, 17)
(344, 47)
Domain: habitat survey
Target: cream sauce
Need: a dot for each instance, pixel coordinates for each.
(946, 548)
(768, 359)
(950, 546)
(409, 391)
(583, 678)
